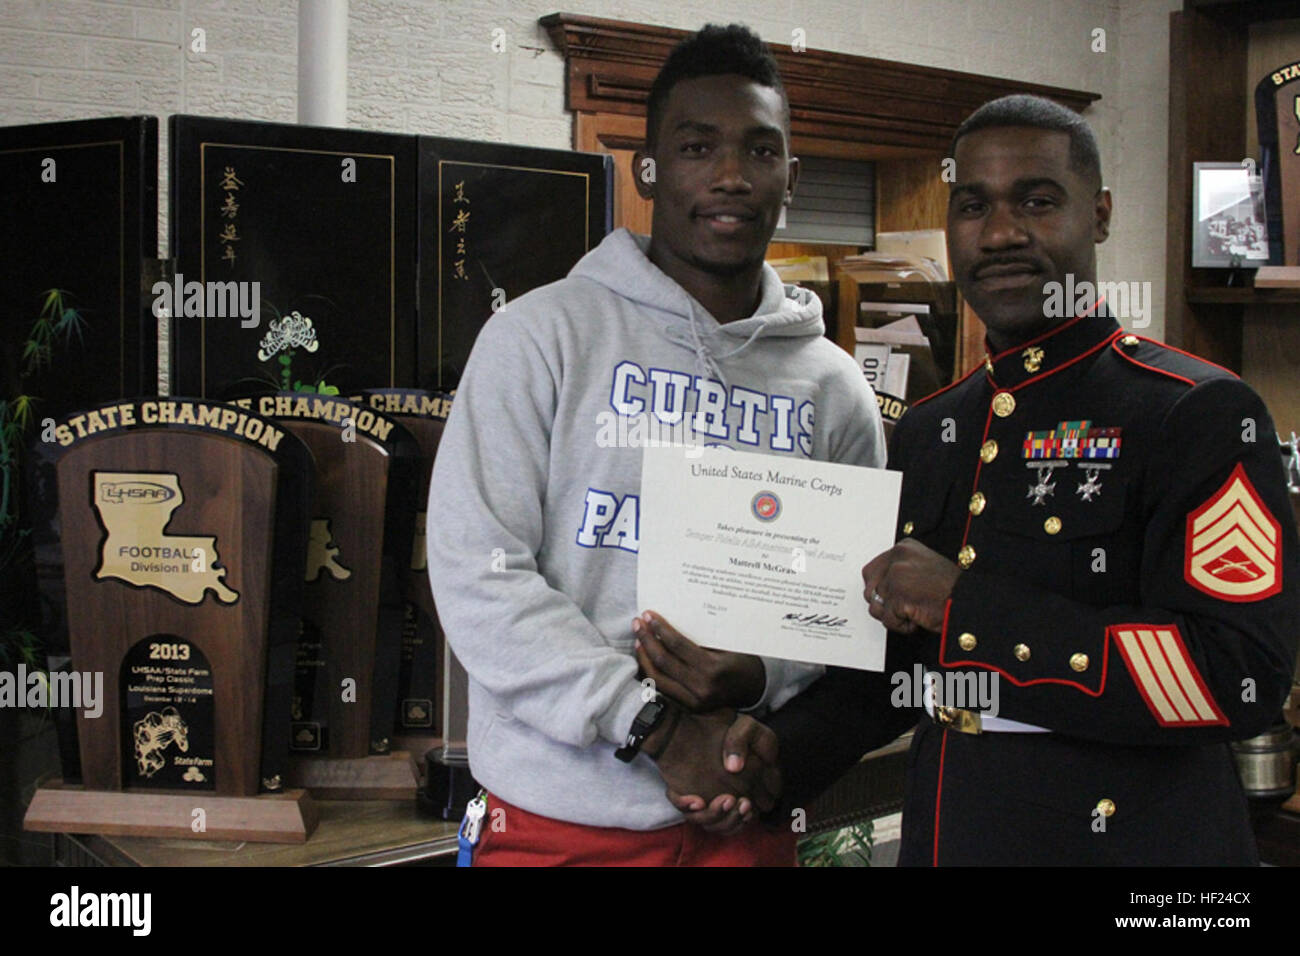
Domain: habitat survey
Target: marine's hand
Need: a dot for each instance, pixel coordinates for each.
(745, 743)
(701, 749)
(697, 678)
(908, 587)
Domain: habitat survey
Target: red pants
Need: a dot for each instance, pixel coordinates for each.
(520, 838)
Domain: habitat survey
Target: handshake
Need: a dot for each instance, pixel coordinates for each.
(720, 766)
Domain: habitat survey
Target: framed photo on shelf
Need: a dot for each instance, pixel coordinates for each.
(1231, 230)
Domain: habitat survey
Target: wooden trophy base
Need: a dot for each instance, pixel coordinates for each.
(288, 817)
(382, 777)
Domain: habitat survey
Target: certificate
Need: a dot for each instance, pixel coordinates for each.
(763, 554)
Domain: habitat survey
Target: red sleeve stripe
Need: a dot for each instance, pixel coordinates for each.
(1166, 676)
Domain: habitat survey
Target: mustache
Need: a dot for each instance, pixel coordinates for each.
(996, 261)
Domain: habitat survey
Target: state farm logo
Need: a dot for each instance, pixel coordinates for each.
(143, 492)
(766, 506)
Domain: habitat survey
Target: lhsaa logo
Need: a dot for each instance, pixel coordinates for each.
(75, 909)
(766, 506)
(209, 300)
(1124, 300)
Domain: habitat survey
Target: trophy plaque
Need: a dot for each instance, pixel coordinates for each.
(417, 720)
(1277, 110)
(350, 642)
(182, 524)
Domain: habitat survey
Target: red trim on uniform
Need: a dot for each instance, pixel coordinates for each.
(1191, 355)
(979, 465)
(1101, 688)
(1151, 368)
(1064, 365)
(1237, 473)
(938, 392)
(1054, 330)
(1222, 720)
(938, 794)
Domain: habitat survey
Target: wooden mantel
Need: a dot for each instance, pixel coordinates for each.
(835, 98)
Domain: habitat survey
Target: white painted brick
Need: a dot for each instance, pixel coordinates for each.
(20, 13)
(134, 56)
(16, 82)
(19, 112)
(548, 133)
(92, 19)
(77, 87)
(470, 124)
(160, 96)
(41, 49)
(397, 86)
(259, 71)
(528, 66)
(156, 4)
(158, 25)
(202, 66)
(232, 34)
(216, 99)
(376, 116)
(410, 15)
(377, 47)
(533, 99)
(281, 9)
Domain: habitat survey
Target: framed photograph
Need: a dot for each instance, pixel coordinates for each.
(1231, 229)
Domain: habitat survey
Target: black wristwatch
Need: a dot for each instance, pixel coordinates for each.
(647, 719)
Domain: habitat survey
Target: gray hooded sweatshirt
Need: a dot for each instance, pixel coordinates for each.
(533, 523)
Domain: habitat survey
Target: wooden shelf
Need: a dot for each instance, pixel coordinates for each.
(1241, 295)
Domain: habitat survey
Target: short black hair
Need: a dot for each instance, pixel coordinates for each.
(713, 51)
(1021, 109)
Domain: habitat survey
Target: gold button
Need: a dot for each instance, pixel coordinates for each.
(967, 642)
(1052, 525)
(1021, 651)
(1004, 403)
(988, 451)
(988, 364)
(1106, 807)
(966, 556)
(907, 528)
(1079, 662)
(1129, 341)
(977, 502)
(1033, 359)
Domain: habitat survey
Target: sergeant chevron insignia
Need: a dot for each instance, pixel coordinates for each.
(1234, 544)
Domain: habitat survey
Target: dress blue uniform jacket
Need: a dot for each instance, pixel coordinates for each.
(1129, 578)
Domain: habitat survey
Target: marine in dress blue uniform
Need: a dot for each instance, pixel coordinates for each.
(1108, 521)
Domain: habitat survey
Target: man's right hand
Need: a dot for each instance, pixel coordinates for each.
(720, 757)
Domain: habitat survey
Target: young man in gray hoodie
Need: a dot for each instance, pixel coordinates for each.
(534, 528)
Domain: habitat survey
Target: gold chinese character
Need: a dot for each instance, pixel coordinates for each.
(229, 254)
(460, 270)
(460, 193)
(229, 234)
(229, 180)
(458, 224)
(460, 247)
(229, 208)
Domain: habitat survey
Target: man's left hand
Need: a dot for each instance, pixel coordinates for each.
(697, 678)
(908, 587)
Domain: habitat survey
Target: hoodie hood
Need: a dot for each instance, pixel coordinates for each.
(622, 264)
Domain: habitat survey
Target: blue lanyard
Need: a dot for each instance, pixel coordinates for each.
(470, 829)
